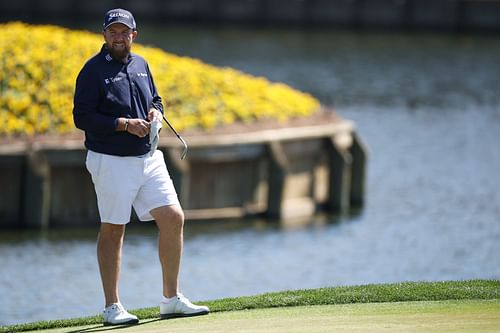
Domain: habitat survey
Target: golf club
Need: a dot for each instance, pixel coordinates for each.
(184, 152)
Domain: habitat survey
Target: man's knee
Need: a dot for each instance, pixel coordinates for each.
(109, 231)
(172, 215)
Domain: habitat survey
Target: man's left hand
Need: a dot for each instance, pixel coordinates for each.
(154, 115)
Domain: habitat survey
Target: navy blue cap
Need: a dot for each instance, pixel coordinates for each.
(119, 15)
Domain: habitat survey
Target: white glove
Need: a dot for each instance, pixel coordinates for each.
(154, 135)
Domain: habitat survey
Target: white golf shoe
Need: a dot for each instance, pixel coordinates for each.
(181, 307)
(115, 314)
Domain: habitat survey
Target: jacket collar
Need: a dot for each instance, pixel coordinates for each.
(104, 53)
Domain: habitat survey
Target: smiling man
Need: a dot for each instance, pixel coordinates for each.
(115, 103)
(119, 37)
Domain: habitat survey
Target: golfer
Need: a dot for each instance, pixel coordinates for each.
(115, 104)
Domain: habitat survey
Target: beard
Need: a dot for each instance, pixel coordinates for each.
(119, 52)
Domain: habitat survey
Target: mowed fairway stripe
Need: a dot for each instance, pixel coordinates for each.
(441, 316)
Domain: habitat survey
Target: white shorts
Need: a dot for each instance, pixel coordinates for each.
(123, 182)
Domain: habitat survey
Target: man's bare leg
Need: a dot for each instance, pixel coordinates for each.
(109, 252)
(170, 222)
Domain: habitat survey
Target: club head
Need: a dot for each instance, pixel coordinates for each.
(185, 150)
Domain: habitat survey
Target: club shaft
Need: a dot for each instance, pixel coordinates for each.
(178, 137)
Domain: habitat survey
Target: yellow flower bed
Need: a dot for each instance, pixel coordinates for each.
(39, 65)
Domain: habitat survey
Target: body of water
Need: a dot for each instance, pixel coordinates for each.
(426, 106)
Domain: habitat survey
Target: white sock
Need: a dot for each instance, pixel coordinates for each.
(168, 299)
(111, 305)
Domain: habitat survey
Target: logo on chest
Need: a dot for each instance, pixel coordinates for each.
(113, 79)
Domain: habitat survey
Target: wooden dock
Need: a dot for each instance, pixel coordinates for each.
(281, 172)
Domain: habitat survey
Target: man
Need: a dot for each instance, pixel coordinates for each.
(115, 103)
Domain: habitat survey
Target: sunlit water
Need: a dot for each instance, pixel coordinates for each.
(428, 109)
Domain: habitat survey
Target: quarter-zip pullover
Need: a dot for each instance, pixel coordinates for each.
(107, 89)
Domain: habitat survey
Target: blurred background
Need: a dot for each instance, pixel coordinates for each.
(419, 79)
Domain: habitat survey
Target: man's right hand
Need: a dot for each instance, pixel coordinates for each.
(138, 127)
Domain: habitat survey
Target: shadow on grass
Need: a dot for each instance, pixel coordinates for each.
(102, 328)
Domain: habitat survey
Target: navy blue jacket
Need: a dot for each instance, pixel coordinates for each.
(107, 89)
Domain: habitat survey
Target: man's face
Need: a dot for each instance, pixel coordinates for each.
(119, 38)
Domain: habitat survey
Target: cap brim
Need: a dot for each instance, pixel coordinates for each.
(125, 24)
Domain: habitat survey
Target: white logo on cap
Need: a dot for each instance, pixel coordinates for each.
(112, 15)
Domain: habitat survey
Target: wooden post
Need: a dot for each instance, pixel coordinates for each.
(340, 161)
(358, 152)
(278, 165)
(179, 172)
(36, 201)
(11, 173)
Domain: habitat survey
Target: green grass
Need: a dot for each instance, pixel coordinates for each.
(376, 293)
(453, 316)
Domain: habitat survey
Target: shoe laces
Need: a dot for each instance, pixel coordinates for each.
(182, 298)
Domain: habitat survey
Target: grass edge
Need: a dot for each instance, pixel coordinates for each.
(370, 293)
